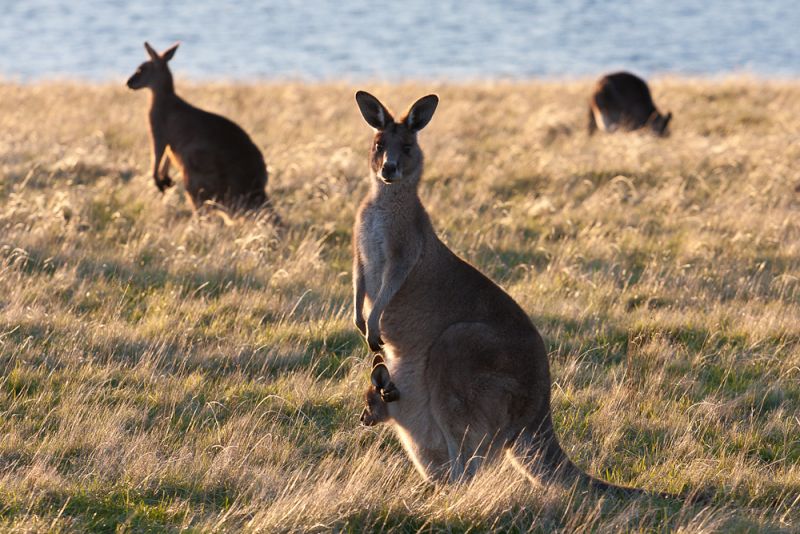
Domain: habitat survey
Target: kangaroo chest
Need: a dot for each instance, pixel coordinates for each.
(604, 123)
(373, 245)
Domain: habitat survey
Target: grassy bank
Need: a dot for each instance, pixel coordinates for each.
(160, 370)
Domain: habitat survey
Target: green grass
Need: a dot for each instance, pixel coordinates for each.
(162, 371)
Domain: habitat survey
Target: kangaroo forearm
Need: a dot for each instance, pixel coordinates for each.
(161, 173)
(359, 291)
(156, 163)
(393, 280)
(384, 297)
(165, 167)
(159, 148)
(358, 305)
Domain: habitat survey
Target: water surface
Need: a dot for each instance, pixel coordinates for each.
(419, 39)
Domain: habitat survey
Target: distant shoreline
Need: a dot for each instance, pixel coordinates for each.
(742, 76)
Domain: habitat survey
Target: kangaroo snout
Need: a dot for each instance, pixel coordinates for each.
(390, 171)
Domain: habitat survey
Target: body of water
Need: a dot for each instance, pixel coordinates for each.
(101, 40)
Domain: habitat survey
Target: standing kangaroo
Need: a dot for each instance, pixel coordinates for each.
(218, 160)
(469, 371)
(622, 101)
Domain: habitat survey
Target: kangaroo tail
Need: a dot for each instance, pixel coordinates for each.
(538, 454)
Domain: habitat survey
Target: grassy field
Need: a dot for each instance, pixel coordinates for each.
(161, 371)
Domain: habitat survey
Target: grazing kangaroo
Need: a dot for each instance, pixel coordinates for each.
(469, 371)
(622, 101)
(218, 160)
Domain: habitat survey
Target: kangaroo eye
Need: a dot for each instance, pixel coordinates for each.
(379, 146)
(407, 149)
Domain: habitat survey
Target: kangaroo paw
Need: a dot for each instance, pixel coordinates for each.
(390, 393)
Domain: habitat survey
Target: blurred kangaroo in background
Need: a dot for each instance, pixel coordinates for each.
(469, 371)
(622, 101)
(218, 160)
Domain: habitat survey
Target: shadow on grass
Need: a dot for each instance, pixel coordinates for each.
(722, 363)
(520, 185)
(126, 509)
(79, 173)
(581, 513)
(327, 354)
(510, 265)
(574, 336)
(209, 283)
(44, 344)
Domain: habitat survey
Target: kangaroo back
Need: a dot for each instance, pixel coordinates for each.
(622, 101)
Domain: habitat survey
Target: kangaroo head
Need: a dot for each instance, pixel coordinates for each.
(378, 395)
(395, 155)
(659, 123)
(376, 411)
(155, 73)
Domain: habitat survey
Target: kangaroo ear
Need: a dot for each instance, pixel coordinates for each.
(169, 52)
(421, 112)
(373, 111)
(151, 52)
(377, 360)
(380, 376)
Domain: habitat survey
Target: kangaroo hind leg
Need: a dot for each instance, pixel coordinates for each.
(476, 391)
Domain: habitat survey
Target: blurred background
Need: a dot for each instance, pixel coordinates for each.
(101, 40)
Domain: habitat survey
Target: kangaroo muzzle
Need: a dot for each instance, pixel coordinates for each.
(390, 171)
(133, 82)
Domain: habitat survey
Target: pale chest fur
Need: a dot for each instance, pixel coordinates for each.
(604, 123)
(412, 411)
(373, 241)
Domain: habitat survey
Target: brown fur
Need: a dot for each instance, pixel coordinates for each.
(218, 160)
(470, 368)
(381, 392)
(622, 101)
(375, 409)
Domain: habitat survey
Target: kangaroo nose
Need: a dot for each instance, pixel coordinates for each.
(389, 170)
